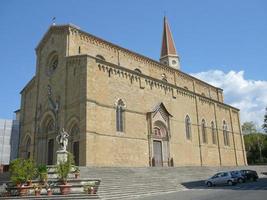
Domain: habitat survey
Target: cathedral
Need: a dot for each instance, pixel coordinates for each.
(123, 109)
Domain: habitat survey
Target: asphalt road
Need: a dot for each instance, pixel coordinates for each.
(245, 191)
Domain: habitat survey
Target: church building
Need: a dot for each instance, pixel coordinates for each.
(123, 109)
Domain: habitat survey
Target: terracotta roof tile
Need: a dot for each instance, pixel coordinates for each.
(168, 46)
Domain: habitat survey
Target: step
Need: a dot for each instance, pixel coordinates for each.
(45, 197)
(76, 186)
(135, 194)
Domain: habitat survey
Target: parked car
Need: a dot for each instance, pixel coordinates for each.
(240, 177)
(249, 174)
(221, 178)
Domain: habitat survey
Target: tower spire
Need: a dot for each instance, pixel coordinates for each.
(168, 54)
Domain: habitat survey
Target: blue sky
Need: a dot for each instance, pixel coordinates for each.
(227, 35)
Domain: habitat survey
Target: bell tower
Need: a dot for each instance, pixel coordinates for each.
(168, 54)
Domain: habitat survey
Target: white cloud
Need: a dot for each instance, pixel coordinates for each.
(250, 96)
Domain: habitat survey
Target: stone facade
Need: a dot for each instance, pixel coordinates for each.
(118, 109)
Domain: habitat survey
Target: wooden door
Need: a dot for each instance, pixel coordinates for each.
(76, 153)
(157, 149)
(50, 152)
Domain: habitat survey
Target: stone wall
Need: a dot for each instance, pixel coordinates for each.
(108, 82)
(84, 43)
(88, 87)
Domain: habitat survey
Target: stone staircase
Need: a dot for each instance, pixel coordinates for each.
(130, 183)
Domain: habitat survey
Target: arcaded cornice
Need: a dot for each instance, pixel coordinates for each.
(72, 29)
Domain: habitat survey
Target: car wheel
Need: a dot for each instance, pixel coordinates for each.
(254, 179)
(240, 180)
(209, 184)
(230, 182)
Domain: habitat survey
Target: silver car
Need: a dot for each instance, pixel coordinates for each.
(240, 178)
(221, 178)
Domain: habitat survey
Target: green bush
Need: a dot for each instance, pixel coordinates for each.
(42, 172)
(64, 168)
(30, 169)
(42, 168)
(22, 170)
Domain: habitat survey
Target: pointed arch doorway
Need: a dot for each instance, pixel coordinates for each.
(159, 136)
(45, 139)
(74, 142)
(50, 152)
(76, 152)
(157, 153)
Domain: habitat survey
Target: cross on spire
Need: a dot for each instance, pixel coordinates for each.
(54, 21)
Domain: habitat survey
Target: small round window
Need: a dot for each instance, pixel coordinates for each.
(52, 65)
(173, 62)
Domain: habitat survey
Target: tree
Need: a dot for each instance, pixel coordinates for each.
(248, 128)
(256, 147)
(264, 126)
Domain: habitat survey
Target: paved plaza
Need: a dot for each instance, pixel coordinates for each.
(246, 191)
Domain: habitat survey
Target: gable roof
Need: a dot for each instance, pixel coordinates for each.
(158, 107)
(65, 27)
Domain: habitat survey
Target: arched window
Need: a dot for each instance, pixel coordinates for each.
(100, 57)
(188, 127)
(225, 134)
(74, 143)
(138, 71)
(213, 133)
(120, 116)
(204, 131)
(28, 148)
(53, 63)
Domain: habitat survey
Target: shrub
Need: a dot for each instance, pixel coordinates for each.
(42, 172)
(64, 168)
(30, 169)
(42, 168)
(22, 170)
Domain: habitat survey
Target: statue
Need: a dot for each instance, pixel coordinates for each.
(62, 140)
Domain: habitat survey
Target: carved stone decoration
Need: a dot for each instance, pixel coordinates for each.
(62, 140)
(120, 102)
(62, 156)
(159, 135)
(49, 91)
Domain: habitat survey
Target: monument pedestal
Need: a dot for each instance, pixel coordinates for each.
(62, 156)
